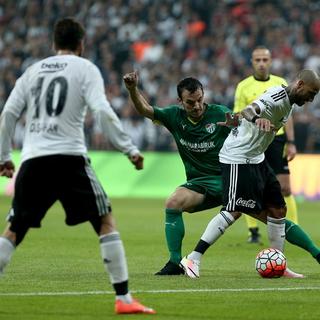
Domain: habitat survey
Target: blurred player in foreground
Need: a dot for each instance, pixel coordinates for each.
(55, 166)
(249, 184)
(282, 149)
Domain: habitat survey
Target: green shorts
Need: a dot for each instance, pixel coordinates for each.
(210, 187)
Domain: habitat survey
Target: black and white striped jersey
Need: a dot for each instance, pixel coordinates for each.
(246, 143)
(56, 92)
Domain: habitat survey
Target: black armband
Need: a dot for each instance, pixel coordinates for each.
(291, 141)
(253, 120)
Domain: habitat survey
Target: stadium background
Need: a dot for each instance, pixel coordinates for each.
(165, 41)
(58, 274)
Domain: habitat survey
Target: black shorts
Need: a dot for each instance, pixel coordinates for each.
(44, 180)
(250, 188)
(276, 156)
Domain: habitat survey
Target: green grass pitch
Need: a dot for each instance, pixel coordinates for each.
(57, 272)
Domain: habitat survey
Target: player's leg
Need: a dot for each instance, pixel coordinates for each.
(85, 200)
(235, 186)
(276, 227)
(7, 247)
(214, 230)
(275, 207)
(276, 211)
(292, 211)
(254, 235)
(115, 263)
(32, 198)
(297, 236)
(9, 240)
(183, 199)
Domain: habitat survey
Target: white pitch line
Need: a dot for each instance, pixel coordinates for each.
(81, 293)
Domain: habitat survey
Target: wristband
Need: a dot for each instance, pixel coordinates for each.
(253, 120)
(291, 141)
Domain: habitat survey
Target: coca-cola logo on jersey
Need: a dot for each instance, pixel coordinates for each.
(246, 203)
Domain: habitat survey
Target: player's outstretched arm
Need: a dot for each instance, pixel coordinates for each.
(140, 103)
(232, 120)
(252, 114)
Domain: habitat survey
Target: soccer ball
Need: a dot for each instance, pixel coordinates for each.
(271, 263)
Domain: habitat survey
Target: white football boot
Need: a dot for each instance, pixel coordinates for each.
(191, 267)
(291, 274)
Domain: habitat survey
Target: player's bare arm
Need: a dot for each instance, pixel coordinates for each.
(232, 120)
(252, 114)
(140, 103)
(291, 149)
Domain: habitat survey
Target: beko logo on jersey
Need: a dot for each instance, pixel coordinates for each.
(246, 203)
(53, 67)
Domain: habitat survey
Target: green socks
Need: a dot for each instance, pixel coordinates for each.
(174, 228)
(295, 235)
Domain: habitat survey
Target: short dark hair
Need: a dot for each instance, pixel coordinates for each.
(190, 84)
(68, 34)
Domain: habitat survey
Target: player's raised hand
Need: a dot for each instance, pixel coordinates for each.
(232, 120)
(7, 169)
(137, 161)
(130, 80)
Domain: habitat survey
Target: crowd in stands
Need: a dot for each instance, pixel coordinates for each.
(165, 41)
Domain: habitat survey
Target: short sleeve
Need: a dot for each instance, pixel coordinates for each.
(166, 116)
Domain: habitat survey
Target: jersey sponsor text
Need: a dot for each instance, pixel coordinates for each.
(197, 147)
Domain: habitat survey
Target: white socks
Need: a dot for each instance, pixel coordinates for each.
(113, 255)
(6, 250)
(276, 232)
(215, 229)
(217, 226)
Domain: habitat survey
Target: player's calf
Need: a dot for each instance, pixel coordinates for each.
(6, 250)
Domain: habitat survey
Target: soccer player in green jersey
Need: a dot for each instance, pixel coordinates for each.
(199, 139)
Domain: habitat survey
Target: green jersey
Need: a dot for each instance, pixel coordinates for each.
(198, 143)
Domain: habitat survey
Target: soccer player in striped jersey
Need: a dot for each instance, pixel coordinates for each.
(249, 184)
(282, 149)
(56, 92)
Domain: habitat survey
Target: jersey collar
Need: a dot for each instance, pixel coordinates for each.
(195, 122)
(261, 79)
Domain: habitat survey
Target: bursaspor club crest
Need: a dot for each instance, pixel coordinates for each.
(210, 127)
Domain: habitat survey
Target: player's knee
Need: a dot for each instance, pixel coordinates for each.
(236, 215)
(277, 213)
(16, 234)
(104, 224)
(173, 203)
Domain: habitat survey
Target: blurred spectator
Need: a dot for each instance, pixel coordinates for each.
(166, 41)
